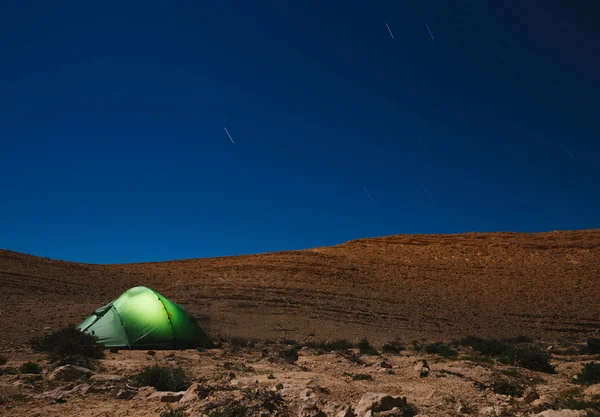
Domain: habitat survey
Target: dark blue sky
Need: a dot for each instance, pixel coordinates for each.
(112, 116)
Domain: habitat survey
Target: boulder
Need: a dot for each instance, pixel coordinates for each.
(195, 392)
(67, 391)
(346, 411)
(543, 400)
(309, 409)
(378, 403)
(166, 396)
(70, 373)
(145, 392)
(104, 378)
(125, 394)
(95, 389)
(591, 391)
(530, 395)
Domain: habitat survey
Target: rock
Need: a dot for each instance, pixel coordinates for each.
(561, 413)
(151, 353)
(145, 392)
(30, 378)
(394, 412)
(378, 402)
(530, 396)
(67, 391)
(346, 411)
(463, 408)
(194, 392)
(70, 373)
(544, 400)
(166, 396)
(8, 370)
(422, 369)
(591, 391)
(310, 409)
(94, 389)
(103, 379)
(487, 412)
(125, 394)
(307, 393)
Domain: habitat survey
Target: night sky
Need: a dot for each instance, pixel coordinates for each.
(113, 114)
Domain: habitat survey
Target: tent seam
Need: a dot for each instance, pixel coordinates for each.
(168, 317)
(123, 325)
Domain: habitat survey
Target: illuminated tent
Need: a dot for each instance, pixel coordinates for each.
(141, 318)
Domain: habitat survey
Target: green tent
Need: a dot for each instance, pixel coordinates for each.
(141, 318)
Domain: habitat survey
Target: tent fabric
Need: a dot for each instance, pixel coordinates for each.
(141, 318)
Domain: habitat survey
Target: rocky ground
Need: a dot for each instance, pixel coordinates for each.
(268, 379)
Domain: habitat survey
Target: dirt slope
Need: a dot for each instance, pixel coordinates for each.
(409, 286)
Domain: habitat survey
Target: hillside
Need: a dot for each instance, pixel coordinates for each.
(408, 286)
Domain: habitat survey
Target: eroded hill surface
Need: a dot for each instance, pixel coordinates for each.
(435, 287)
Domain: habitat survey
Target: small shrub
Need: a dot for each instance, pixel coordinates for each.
(528, 357)
(570, 351)
(271, 376)
(416, 346)
(440, 349)
(578, 403)
(240, 342)
(513, 373)
(359, 377)
(3, 360)
(593, 345)
(479, 359)
(289, 355)
(352, 357)
(337, 345)
(504, 386)
(492, 347)
(163, 378)
(70, 346)
(590, 374)
(286, 355)
(409, 410)
(173, 412)
(30, 368)
(394, 347)
(365, 348)
(230, 410)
